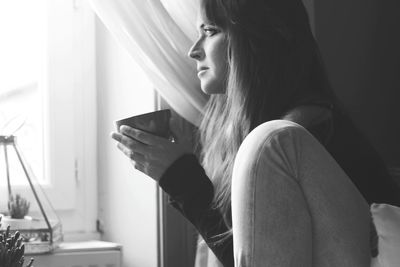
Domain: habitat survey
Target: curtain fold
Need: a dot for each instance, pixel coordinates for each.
(157, 35)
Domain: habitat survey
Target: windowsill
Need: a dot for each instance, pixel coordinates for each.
(86, 246)
(81, 246)
(81, 236)
(86, 253)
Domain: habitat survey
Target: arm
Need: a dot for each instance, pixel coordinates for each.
(180, 175)
(191, 192)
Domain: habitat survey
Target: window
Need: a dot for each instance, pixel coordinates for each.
(48, 81)
(23, 36)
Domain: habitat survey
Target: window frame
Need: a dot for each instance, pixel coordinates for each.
(72, 104)
(70, 118)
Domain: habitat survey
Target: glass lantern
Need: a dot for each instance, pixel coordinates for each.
(26, 208)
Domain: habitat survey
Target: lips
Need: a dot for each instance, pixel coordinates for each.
(201, 70)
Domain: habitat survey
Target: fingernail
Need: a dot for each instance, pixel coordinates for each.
(119, 146)
(115, 136)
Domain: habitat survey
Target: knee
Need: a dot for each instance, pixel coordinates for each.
(260, 147)
(256, 180)
(269, 129)
(256, 142)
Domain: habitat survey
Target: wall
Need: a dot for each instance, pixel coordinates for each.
(360, 43)
(127, 198)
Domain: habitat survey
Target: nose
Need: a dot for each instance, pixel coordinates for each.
(196, 51)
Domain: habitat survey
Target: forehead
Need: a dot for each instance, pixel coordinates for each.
(211, 13)
(201, 18)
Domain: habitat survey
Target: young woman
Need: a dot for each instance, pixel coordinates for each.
(283, 178)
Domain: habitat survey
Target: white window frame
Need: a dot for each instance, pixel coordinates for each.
(70, 124)
(72, 116)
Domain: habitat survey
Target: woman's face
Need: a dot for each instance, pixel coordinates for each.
(210, 53)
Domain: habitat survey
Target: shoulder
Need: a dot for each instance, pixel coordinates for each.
(308, 115)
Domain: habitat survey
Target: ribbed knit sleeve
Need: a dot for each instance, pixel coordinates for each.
(191, 193)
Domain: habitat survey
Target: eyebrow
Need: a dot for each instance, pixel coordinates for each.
(201, 26)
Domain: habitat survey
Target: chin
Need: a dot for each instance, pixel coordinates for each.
(211, 89)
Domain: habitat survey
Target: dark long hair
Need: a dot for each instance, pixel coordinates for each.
(274, 64)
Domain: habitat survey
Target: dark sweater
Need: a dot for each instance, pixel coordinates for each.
(191, 191)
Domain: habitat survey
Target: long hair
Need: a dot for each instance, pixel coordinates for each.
(273, 63)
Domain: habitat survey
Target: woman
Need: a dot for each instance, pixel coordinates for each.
(281, 199)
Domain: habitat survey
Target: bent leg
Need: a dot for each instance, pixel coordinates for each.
(292, 205)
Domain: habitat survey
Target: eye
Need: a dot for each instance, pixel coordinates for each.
(210, 31)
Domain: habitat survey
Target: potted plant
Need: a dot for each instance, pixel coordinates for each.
(12, 250)
(18, 208)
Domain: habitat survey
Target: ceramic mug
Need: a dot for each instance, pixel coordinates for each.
(156, 122)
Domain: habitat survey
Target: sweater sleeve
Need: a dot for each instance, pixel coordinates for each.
(191, 193)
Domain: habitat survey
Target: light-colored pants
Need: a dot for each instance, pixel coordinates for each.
(292, 205)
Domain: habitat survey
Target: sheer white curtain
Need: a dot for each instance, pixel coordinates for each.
(158, 34)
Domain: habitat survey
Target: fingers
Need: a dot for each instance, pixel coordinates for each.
(139, 163)
(142, 136)
(137, 157)
(130, 143)
(138, 160)
(149, 159)
(129, 153)
(133, 149)
(138, 166)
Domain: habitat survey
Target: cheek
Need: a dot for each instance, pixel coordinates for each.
(218, 83)
(216, 57)
(221, 59)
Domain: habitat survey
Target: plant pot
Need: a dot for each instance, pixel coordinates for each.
(16, 224)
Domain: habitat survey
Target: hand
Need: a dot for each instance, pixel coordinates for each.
(151, 154)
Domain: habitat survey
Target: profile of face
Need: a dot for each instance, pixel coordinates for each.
(210, 53)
